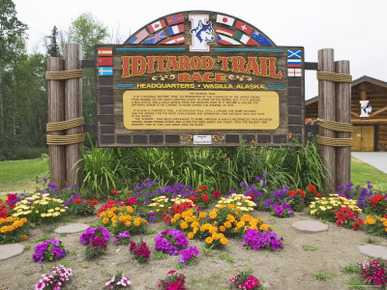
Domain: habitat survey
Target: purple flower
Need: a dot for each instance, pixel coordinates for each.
(91, 233)
(43, 250)
(171, 241)
(257, 239)
(188, 255)
(122, 236)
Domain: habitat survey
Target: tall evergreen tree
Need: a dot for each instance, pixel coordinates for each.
(52, 43)
(12, 45)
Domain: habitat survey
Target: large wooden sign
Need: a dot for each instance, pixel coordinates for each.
(199, 78)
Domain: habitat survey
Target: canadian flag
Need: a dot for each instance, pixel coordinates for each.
(156, 26)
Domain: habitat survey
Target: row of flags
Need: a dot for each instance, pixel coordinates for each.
(105, 61)
(170, 30)
(294, 63)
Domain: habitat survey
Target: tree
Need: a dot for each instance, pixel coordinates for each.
(88, 32)
(12, 45)
(52, 43)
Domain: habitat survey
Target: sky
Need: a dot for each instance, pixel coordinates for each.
(355, 29)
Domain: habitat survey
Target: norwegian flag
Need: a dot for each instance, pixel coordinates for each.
(156, 26)
(174, 19)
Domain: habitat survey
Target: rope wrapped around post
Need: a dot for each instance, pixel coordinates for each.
(334, 77)
(65, 139)
(334, 126)
(64, 75)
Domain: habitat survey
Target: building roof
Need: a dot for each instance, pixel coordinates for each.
(358, 81)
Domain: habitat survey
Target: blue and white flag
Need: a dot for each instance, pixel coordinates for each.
(260, 38)
(294, 53)
(105, 71)
(176, 29)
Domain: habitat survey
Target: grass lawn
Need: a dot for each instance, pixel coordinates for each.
(362, 172)
(20, 175)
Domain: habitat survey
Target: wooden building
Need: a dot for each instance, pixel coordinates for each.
(370, 133)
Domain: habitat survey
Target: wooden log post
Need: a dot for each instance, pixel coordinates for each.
(56, 113)
(73, 110)
(343, 114)
(326, 111)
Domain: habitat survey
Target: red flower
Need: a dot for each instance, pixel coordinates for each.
(193, 198)
(203, 188)
(115, 191)
(251, 195)
(131, 201)
(77, 200)
(205, 197)
(196, 191)
(292, 192)
(356, 226)
(167, 219)
(312, 188)
(3, 213)
(301, 193)
(216, 194)
(376, 199)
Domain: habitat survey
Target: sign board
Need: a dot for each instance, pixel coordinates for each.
(199, 78)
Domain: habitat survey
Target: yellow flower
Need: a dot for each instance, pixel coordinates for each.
(313, 211)
(370, 220)
(190, 235)
(323, 208)
(195, 224)
(183, 225)
(137, 222)
(129, 209)
(224, 241)
(127, 223)
(24, 237)
(222, 229)
(213, 215)
(177, 216)
(173, 221)
(227, 224)
(202, 215)
(105, 220)
(265, 227)
(230, 205)
(209, 240)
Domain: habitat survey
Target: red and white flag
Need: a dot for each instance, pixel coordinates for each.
(243, 27)
(105, 61)
(294, 72)
(156, 26)
(105, 51)
(227, 20)
(178, 39)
